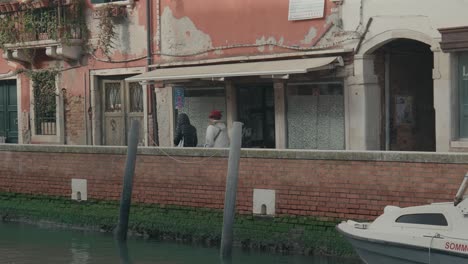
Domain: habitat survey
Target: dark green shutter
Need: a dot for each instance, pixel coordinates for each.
(463, 86)
(12, 113)
(8, 111)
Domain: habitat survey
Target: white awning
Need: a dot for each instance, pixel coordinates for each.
(219, 71)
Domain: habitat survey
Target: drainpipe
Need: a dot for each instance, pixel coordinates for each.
(85, 111)
(387, 101)
(148, 32)
(149, 61)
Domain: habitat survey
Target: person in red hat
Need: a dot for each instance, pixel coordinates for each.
(216, 133)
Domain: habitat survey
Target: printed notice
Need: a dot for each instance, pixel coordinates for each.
(306, 9)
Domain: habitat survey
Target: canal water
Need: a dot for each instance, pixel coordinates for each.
(24, 244)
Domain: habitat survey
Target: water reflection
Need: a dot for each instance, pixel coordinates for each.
(23, 244)
(79, 253)
(122, 248)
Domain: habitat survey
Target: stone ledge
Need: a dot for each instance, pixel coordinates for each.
(390, 156)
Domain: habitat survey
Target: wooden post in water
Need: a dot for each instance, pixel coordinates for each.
(231, 191)
(122, 248)
(125, 200)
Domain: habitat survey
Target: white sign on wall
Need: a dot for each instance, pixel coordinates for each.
(306, 9)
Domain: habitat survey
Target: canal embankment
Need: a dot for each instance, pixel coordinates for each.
(288, 200)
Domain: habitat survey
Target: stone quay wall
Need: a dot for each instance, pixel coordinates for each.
(314, 190)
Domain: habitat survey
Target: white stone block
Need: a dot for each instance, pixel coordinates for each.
(79, 189)
(264, 202)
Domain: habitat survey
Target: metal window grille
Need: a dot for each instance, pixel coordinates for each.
(45, 110)
(53, 20)
(136, 97)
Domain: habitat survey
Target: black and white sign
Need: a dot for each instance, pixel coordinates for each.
(306, 9)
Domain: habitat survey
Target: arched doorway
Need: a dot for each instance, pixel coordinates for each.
(404, 70)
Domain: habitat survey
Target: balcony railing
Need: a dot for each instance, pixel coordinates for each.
(38, 20)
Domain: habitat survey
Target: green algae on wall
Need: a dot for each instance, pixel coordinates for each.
(289, 234)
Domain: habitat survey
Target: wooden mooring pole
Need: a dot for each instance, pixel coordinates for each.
(125, 200)
(231, 191)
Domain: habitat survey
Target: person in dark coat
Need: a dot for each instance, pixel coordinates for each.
(186, 133)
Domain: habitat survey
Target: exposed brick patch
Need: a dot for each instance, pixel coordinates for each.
(75, 117)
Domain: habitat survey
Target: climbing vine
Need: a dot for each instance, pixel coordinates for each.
(108, 16)
(8, 30)
(44, 91)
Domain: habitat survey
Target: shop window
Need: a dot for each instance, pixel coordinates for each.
(463, 92)
(197, 103)
(315, 116)
(423, 219)
(256, 110)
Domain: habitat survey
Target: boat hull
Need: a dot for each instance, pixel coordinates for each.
(381, 252)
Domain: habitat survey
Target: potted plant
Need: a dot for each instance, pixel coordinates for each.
(43, 36)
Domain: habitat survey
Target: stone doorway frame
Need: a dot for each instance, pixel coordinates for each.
(363, 86)
(96, 109)
(22, 132)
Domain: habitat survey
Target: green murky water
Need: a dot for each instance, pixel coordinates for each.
(21, 244)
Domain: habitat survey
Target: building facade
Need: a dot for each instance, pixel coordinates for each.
(411, 88)
(351, 75)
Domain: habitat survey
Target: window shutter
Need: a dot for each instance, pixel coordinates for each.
(463, 86)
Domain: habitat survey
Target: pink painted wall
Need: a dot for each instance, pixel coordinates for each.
(192, 26)
(232, 22)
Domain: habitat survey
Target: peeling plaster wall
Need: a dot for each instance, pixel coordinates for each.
(215, 29)
(180, 36)
(238, 27)
(75, 118)
(131, 36)
(311, 35)
(418, 15)
(418, 19)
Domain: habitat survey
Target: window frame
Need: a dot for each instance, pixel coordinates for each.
(318, 82)
(59, 136)
(462, 136)
(421, 214)
(423, 226)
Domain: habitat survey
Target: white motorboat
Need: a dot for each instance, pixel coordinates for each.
(429, 234)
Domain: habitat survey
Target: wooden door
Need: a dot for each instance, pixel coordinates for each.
(122, 103)
(113, 113)
(134, 108)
